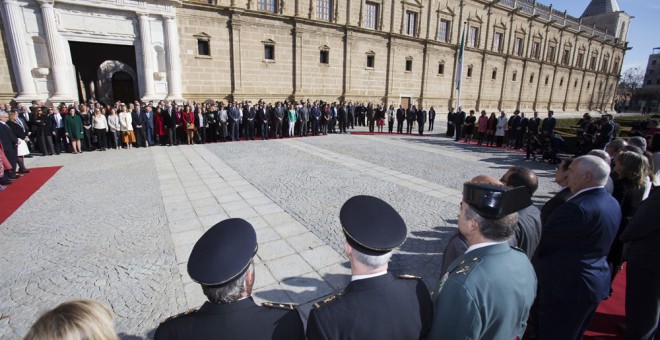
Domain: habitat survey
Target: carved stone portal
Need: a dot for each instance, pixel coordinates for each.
(106, 71)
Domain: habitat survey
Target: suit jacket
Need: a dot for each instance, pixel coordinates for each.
(242, 319)
(548, 125)
(487, 294)
(571, 257)
(528, 232)
(642, 236)
(9, 140)
(203, 123)
(459, 118)
(399, 307)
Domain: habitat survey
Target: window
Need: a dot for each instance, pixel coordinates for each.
(493, 76)
(551, 54)
(588, 85)
(531, 78)
(536, 50)
(469, 72)
(267, 5)
(324, 9)
(372, 15)
(518, 47)
(498, 37)
(324, 57)
(575, 83)
(203, 47)
(594, 61)
(653, 62)
(371, 60)
(443, 31)
(615, 67)
(269, 52)
(514, 76)
(441, 68)
(580, 60)
(565, 58)
(604, 68)
(473, 37)
(547, 78)
(561, 82)
(411, 22)
(408, 65)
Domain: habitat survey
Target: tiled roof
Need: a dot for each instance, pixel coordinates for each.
(600, 7)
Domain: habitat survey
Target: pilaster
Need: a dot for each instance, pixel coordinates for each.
(18, 49)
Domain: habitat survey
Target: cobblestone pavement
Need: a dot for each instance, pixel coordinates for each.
(118, 226)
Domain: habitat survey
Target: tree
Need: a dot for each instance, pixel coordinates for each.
(630, 83)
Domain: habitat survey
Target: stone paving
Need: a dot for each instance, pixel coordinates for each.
(118, 226)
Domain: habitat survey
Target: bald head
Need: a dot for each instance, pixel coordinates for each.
(586, 172)
(518, 176)
(485, 179)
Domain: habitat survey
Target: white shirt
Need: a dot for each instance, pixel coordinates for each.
(367, 276)
(481, 245)
(583, 190)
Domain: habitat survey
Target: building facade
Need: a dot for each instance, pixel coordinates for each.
(518, 54)
(652, 75)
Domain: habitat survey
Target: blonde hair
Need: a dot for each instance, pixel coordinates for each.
(73, 320)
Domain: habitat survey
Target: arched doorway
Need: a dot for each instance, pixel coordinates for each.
(123, 87)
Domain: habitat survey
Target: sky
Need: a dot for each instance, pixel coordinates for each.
(644, 32)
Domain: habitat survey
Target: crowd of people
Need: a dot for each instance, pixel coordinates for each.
(511, 270)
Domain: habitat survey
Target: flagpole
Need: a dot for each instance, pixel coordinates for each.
(459, 68)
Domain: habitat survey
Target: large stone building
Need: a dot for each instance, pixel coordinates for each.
(519, 53)
(652, 75)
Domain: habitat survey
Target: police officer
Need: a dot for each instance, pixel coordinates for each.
(221, 261)
(488, 291)
(399, 306)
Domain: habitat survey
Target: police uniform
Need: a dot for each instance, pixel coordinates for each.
(222, 255)
(487, 292)
(380, 307)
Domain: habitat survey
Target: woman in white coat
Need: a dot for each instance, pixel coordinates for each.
(126, 127)
(500, 129)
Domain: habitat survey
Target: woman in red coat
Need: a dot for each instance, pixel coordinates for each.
(159, 127)
(189, 123)
(490, 129)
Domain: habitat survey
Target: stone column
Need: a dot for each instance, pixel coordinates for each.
(173, 62)
(147, 56)
(18, 49)
(235, 50)
(56, 53)
(298, 60)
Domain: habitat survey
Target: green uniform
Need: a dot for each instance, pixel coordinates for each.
(486, 294)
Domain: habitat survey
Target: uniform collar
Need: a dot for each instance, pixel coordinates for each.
(370, 283)
(225, 308)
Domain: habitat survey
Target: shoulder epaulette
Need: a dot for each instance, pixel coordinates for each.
(518, 249)
(466, 265)
(179, 315)
(325, 301)
(410, 277)
(285, 306)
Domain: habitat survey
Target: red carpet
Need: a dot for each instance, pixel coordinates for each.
(611, 313)
(18, 192)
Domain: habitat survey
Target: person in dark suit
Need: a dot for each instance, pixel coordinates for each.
(234, 122)
(548, 125)
(450, 123)
(139, 122)
(399, 306)
(411, 115)
(278, 120)
(250, 115)
(201, 123)
(528, 234)
(641, 242)
(262, 118)
(221, 262)
(421, 120)
(9, 143)
(149, 124)
(459, 120)
(431, 118)
(400, 119)
(315, 118)
(303, 117)
(571, 264)
(487, 292)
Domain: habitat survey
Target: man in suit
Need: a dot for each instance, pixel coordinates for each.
(411, 115)
(351, 115)
(459, 120)
(262, 118)
(548, 125)
(201, 123)
(221, 261)
(450, 123)
(234, 121)
(641, 239)
(400, 306)
(139, 121)
(341, 117)
(278, 120)
(149, 125)
(400, 119)
(303, 116)
(250, 115)
(431, 118)
(571, 263)
(487, 292)
(528, 233)
(9, 143)
(421, 120)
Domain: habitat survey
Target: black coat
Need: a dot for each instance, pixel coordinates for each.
(382, 307)
(242, 319)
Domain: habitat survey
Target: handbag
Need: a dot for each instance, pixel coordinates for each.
(191, 127)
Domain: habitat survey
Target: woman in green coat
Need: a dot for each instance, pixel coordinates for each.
(74, 129)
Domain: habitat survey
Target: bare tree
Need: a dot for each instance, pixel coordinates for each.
(630, 83)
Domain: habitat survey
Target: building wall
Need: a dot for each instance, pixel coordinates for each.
(7, 84)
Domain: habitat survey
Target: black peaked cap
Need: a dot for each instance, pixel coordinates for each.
(223, 253)
(371, 225)
(495, 201)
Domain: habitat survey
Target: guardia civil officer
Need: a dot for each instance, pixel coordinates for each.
(376, 304)
(488, 291)
(221, 261)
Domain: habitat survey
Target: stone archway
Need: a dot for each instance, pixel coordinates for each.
(105, 75)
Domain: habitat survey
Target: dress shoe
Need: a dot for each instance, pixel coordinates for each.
(24, 171)
(13, 177)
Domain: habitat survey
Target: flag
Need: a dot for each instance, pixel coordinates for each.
(459, 65)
